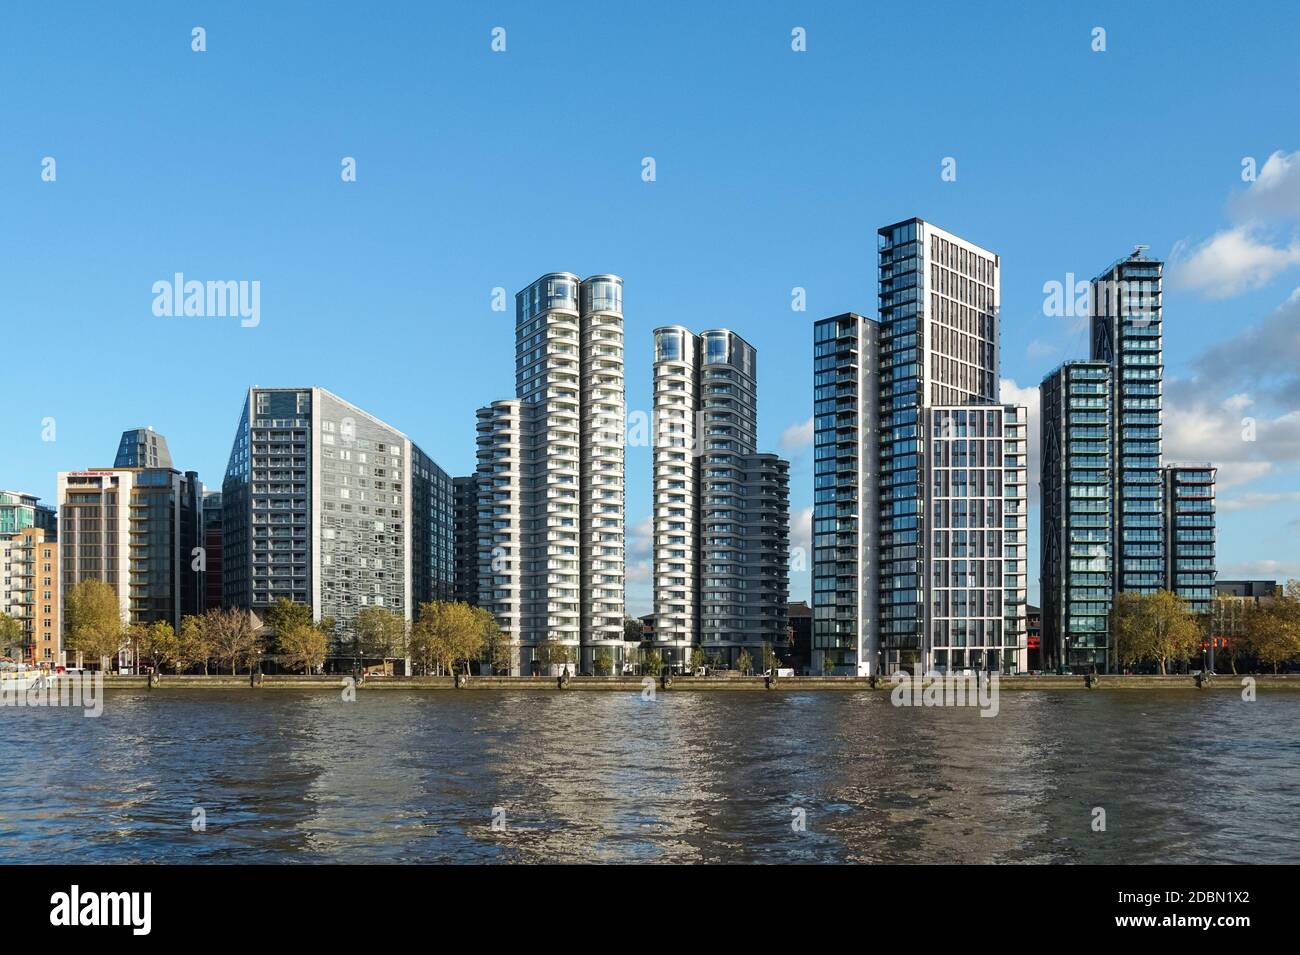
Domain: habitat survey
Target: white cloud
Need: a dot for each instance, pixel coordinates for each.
(1257, 499)
(1275, 193)
(1243, 443)
(797, 436)
(801, 531)
(1281, 570)
(1010, 393)
(1230, 262)
(640, 547)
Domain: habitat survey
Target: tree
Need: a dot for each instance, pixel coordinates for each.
(769, 656)
(828, 663)
(380, 633)
(604, 661)
(156, 644)
(553, 653)
(232, 638)
(192, 644)
(446, 633)
(500, 650)
(12, 638)
(1273, 627)
(697, 658)
(1154, 627)
(745, 662)
(303, 645)
(1228, 625)
(284, 613)
(654, 662)
(93, 620)
(633, 632)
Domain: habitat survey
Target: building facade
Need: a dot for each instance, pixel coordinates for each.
(328, 506)
(1190, 534)
(550, 476)
(465, 539)
(138, 530)
(213, 546)
(846, 487)
(1127, 334)
(19, 511)
(29, 568)
(721, 509)
(1077, 525)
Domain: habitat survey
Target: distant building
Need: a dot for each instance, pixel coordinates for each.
(1034, 628)
(213, 542)
(465, 539)
(19, 510)
(1252, 589)
(797, 652)
(29, 563)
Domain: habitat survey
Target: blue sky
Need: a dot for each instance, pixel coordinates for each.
(774, 168)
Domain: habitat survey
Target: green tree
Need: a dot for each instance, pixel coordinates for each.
(12, 638)
(93, 621)
(553, 653)
(192, 645)
(1273, 627)
(380, 633)
(500, 651)
(697, 658)
(604, 661)
(445, 634)
(769, 657)
(156, 644)
(828, 663)
(654, 662)
(302, 645)
(745, 662)
(633, 632)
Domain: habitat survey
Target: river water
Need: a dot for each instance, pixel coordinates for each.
(296, 776)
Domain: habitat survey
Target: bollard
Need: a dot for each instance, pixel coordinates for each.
(153, 678)
(666, 681)
(461, 681)
(1090, 681)
(871, 681)
(562, 681)
(255, 679)
(1202, 680)
(769, 682)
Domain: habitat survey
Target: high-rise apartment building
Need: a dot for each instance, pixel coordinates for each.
(1189, 533)
(1078, 524)
(29, 569)
(466, 539)
(1127, 325)
(721, 509)
(328, 506)
(135, 528)
(1115, 517)
(550, 475)
(846, 487)
(938, 349)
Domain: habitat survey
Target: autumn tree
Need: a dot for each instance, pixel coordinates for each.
(1273, 627)
(232, 638)
(156, 644)
(192, 644)
(380, 633)
(93, 621)
(302, 645)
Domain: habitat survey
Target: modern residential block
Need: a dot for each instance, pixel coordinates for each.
(846, 487)
(1127, 328)
(19, 510)
(550, 475)
(721, 510)
(1078, 522)
(135, 528)
(328, 506)
(29, 569)
(1189, 533)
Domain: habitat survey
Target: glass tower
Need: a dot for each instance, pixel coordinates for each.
(1189, 533)
(1077, 528)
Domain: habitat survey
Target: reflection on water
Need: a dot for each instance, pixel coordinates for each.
(690, 777)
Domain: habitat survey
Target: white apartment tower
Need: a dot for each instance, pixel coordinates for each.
(550, 472)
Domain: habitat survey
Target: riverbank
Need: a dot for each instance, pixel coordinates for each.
(170, 682)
